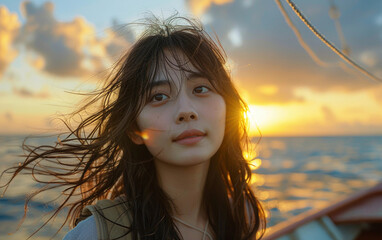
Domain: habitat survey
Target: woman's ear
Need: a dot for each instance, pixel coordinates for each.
(136, 137)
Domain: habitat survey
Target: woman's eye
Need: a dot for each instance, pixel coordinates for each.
(159, 97)
(201, 89)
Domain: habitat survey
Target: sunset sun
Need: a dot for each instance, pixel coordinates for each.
(261, 118)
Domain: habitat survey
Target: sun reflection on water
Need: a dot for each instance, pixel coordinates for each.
(293, 175)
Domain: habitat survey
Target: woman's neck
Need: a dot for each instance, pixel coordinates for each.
(185, 185)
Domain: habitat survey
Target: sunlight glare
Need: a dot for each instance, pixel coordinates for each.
(255, 164)
(261, 118)
(143, 135)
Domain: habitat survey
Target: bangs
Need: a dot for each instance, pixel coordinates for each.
(169, 57)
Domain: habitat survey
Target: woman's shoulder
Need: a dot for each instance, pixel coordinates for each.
(85, 230)
(107, 218)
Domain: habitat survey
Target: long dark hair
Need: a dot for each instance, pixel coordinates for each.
(97, 158)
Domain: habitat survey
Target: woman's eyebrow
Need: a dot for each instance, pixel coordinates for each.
(160, 83)
(189, 76)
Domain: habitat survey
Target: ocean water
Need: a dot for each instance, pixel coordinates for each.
(302, 173)
(292, 175)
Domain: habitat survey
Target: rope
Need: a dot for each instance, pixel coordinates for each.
(334, 14)
(327, 43)
(299, 37)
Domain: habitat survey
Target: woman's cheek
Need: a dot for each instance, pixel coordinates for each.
(153, 125)
(217, 109)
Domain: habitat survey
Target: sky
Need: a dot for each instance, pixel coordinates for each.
(48, 50)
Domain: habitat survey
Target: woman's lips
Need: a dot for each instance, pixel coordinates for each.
(190, 140)
(189, 137)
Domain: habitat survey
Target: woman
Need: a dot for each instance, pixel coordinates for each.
(165, 149)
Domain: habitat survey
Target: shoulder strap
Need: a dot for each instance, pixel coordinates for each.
(112, 218)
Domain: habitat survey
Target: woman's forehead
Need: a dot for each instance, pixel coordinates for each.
(175, 66)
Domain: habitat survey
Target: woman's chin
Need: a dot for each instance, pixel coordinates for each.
(185, 161)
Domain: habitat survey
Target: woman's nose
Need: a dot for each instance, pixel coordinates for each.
(186, 116)
(186, 110)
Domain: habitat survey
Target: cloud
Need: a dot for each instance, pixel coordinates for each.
(26, 93)
(58, 45)
(235, 37)
(10, 76)
(269, 53)
(328, 114)
(198, 7)
(118, 38)
(66, 49)
(378, 20)
(377, 93)
(370, 57)
(9, 26)
(8, 116)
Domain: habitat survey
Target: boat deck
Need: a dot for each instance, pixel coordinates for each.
(358, 217)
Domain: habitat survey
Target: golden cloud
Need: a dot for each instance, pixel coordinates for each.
(9, 26)
(369, 58)
(198, 7)
(66, 48)
(27, 93)
(76, 33)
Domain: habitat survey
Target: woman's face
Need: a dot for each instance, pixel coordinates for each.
(184, 120)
